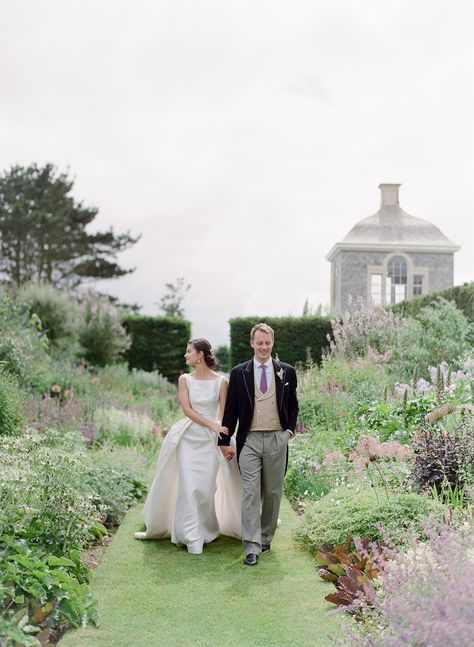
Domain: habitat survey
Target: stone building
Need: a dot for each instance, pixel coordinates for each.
(389, 257)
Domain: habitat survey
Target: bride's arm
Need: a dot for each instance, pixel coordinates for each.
(223, 396)
(193, 415)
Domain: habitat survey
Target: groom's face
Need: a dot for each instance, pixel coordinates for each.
(262, 344)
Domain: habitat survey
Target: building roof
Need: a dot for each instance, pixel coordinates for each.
(392, 228)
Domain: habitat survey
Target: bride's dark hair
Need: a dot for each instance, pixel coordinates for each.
(204, 346)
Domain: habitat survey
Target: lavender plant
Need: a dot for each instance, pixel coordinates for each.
(424, 595)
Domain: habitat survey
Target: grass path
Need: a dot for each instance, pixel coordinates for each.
(153, 594)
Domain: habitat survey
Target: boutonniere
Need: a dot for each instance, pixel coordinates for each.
(281, 374)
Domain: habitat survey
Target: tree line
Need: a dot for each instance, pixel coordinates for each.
(44, 236)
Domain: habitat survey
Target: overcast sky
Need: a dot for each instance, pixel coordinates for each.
(243, 138)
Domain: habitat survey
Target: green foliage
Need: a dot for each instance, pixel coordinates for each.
(12, 410)
(330, 394)
(148, 391)
(158, 343)
(293, 337)
(59, 313)
(357, 512)
(68, 377)
(117, 478)
(117, 427)
(222, 354)
(461, 295)
(22, 351)
(38, 592)
(43, 233)
(103, 337)
(447, 333)
(43, 495)
(388, 419)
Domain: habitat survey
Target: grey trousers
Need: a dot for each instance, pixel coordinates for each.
(262, 466)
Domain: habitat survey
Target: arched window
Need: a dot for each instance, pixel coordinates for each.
(397, 280)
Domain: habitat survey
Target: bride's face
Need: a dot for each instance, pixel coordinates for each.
(192, 355)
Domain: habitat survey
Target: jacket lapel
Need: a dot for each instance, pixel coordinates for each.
(279, 377)
(249, 382)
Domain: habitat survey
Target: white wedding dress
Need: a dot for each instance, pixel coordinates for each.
(196, 494)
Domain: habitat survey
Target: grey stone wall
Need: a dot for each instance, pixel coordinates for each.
(352, 272)
(440, 267)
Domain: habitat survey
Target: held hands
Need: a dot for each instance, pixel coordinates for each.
(228, 452)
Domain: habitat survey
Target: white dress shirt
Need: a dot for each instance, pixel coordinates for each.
(257, 371)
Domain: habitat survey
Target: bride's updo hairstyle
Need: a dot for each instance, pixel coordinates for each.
(204, 346)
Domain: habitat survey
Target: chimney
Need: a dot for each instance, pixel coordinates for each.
(389, 194)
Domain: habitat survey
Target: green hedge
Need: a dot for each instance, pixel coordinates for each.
(158, 343)
(293, 337)
(462, 295)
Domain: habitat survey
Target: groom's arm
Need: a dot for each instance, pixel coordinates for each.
(231, 411)
(293, 406)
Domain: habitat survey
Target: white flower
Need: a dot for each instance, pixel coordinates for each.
(280, 374)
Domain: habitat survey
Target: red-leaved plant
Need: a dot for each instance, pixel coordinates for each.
(351, 570)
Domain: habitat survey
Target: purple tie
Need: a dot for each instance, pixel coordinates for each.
(263, 379)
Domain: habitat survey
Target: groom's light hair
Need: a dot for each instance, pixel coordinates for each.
(264, 328)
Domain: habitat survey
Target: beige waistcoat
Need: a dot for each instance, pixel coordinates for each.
(265, 412)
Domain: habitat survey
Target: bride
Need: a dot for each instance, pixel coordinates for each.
(196, 493)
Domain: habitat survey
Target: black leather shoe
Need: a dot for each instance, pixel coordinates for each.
(251, 559)
(265, 548)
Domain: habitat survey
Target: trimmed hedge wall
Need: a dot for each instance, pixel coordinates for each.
(462, 295)
(158, 343)
(293, 336)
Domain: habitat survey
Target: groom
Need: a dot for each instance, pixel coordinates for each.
(262, 400)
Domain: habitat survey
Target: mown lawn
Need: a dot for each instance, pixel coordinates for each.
(152, 593)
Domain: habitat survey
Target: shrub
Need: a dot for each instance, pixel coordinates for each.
(12, 410)
(102, 337)
(59, 313)
(389, 419)
(461, 295)
(446, 332)
(328, 395)
(222, 354)
(158, 343)
(117, 477)
(72, 380)
(42, 496)
(22, 351)
(368, 329)
(309, 475)
(444, 456)
(123, 428)
(293, 337)
(356, 512)
(39, 592)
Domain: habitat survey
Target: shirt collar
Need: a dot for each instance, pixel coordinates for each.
(268, 363)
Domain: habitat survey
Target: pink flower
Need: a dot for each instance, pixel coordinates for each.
(333, 457)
